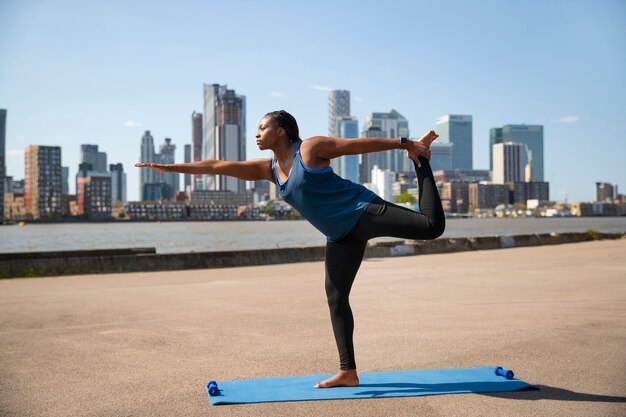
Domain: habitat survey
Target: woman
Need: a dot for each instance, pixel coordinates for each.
(347, 213)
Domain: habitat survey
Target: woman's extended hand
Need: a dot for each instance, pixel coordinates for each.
(415, 149)
(156, 167)
(421, 147)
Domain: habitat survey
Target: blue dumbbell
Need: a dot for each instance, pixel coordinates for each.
(213, 390)
(507, 373)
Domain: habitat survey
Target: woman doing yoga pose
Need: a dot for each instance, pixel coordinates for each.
(347, 213)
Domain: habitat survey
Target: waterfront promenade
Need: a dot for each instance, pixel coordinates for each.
(145, 344)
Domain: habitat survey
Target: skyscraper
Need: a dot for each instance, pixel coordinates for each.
(171, 179)
(457, 129)
(196, 140)
(224, 133)
(3, 167)
(338, 106)
(369, 160)
(348, 127)
(441, 156)
(196, 135)
(507, 166)
(118, 182)
(495, 136)
(42, 193)
(530, 136)
(91, 155)
(65, 180)
(146, 176)
(187, 177)
(392, 125)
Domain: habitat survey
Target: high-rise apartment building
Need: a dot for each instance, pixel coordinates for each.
(118, 182)
(392, 125)
(457, 129)
(171, 179)
(605, 192)
(91, 155)
(3, 167)
(338, 106)
(42, 193)
(196, 141)
(187, 177)
(507, 159)
(224, 133)
(146, 176)
(93, 196)
(531, 138)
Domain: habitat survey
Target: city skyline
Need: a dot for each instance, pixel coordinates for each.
(89, 153)
(110, 73)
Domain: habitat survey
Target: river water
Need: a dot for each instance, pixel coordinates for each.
(172, 237)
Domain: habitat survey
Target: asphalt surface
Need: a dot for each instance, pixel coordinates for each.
(145, 344)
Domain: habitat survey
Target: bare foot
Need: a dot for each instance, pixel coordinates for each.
(347, 378)
(428, 138)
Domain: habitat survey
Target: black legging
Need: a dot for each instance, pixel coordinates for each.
(381, 218)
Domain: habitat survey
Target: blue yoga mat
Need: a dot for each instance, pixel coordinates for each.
(372, 385)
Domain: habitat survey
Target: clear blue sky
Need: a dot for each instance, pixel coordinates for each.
(102, 72)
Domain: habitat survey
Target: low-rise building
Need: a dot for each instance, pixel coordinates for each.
(181, 210)
(155, 210)
(523, 191)
(586, 209)
(69, 205)
(487, 196)
(465, 175)
(14, 208)
(455, 197)
(244, 198)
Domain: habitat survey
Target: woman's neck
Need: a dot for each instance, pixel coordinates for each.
(284, 151)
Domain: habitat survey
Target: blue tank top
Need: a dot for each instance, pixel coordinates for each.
(330, 203)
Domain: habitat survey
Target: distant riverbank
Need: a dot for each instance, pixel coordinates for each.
(178, 237)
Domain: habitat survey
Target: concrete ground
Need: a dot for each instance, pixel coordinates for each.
(145, 344)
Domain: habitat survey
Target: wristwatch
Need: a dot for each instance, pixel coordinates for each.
(404, 141)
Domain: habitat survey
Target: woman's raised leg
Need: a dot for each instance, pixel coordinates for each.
(383, 218)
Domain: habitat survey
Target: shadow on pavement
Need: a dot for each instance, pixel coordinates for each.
(543, 392)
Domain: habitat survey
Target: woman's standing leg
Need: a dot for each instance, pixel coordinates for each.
(343, 259)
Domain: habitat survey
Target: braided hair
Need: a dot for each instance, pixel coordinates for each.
(287, 122)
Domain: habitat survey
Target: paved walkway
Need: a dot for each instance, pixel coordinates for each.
(145, 344)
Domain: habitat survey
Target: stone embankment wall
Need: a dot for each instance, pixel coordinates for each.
(146, 259)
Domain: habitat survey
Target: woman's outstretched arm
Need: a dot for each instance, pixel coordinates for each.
(319, 149)
(257, 169)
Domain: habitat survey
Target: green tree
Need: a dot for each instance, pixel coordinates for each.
(406, 198)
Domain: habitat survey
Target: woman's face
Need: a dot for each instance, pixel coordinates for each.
(267, 134)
